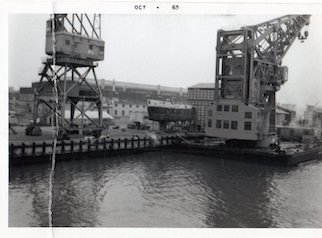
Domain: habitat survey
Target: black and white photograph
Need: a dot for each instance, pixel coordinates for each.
(164, 120)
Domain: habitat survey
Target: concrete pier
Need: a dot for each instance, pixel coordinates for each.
(36, 152)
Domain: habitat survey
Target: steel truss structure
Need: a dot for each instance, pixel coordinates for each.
(248, 65)
(64, 88)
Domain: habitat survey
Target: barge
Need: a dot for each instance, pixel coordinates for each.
(288, 154)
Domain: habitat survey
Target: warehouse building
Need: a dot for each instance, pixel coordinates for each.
(201, 96)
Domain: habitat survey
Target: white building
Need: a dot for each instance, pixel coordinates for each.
(125, 112)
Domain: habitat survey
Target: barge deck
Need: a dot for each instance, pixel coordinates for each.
(290, 156)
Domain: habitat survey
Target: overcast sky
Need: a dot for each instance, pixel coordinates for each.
(170, 50)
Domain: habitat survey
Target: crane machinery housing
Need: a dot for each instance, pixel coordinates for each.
(248, 75)
(73, 46)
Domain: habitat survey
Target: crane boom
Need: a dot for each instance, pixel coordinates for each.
(272, 39)
(248, 75)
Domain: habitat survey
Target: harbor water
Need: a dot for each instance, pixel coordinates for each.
(166, 190)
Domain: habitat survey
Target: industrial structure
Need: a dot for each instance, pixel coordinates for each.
(248, 75)
(73, 46)
(166, 112)
(201, 96)
(313, 117)
(118, 96)
(289, 111)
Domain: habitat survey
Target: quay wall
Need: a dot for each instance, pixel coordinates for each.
(67, 150)
(24, 153)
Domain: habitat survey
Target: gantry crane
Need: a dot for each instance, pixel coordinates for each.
(248, 75)
(66, 94)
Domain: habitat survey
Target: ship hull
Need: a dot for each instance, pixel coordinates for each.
(170, 114)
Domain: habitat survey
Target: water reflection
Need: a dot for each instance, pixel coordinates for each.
(164, 190)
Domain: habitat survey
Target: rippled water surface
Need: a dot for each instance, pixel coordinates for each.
(167, 190)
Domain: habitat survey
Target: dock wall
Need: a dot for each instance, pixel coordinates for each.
(73, 150)
(67, 150)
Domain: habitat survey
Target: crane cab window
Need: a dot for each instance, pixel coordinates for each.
(234, 125)
(226, 108)
(209, 124)
(248, 126)
(49, 26)
(248, 115)
(67, 42)
(218, 124)
(219, 108)
(226, 124)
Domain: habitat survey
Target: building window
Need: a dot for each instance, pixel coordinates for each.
(234, 125)
(108, 111)
(226, 108)
(123, 112)
(209, 113)
(67, 42)
(226, 124)
(219, 108)
(137, 106)
(115, 104)
(209, 123)
(115, 112)
(248, 126)
(234, 108)
(218, 124)
(248, 115)
(130, 105)
(143, 106)
(90, 47)
(123, 105)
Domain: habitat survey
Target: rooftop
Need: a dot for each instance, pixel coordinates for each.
(139, 85)
(280, 111)
(203, 85)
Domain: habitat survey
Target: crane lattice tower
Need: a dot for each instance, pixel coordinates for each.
(74, 46)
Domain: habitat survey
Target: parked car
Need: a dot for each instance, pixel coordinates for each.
(90, 139)
(144, 127)
(131, 126)
(135, 137)
(103, 138)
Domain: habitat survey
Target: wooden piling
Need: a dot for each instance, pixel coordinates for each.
(119, 144)
(112, 144)
(125, 143)
(23, 149)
